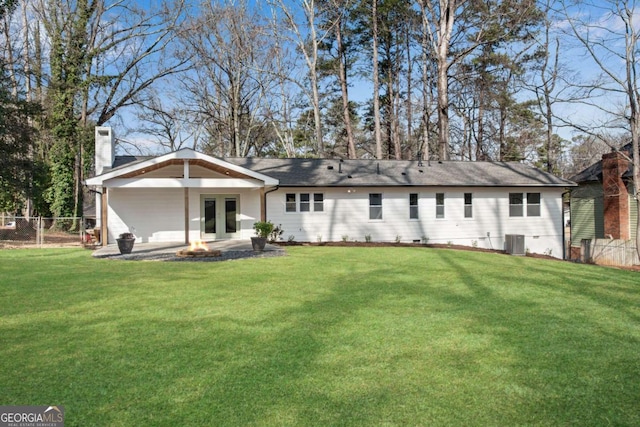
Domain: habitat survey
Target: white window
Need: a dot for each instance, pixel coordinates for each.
(533, 204)
(439, 205)
(375, 205)
(517, 204)
(290, 202)
(318, 202)
(305, 202)
(468, 205)
(413, 206)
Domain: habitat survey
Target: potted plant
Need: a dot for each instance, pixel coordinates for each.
(263, 230)
(125, 242)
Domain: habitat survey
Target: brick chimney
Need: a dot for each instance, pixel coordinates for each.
(616, 196)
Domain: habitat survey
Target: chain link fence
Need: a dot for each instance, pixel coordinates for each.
(19, 232)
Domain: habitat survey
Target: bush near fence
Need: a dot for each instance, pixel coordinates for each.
(39, 232)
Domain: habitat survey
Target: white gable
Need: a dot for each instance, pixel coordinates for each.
(133, 175)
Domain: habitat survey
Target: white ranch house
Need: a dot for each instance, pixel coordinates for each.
(186, 195)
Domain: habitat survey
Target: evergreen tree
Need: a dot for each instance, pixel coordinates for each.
(16, 136)
(68, 60)
(396, 26)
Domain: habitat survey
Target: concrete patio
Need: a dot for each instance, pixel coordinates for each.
(230, 249)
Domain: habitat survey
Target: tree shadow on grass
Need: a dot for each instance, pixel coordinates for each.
(346, 354)
(579, 369)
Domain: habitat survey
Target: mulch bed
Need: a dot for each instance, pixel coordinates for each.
(413, 245)
(436, 245)
(388, 244)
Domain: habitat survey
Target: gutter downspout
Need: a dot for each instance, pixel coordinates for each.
(264, 201)
(564, 240)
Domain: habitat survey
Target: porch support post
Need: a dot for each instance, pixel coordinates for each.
(104, 233)
(185, 170)
(186, 216)
(263, 205)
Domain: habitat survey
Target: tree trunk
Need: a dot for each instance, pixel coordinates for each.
(376, 80)
(26, 56)
(480, 134)
(9, 65)
(394, 109)
(426, 86)
(443, 110)
(445, 28)
(409, 91)
(634, 124)
(342, 75)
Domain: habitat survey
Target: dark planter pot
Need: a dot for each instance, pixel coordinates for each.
(258, 243)
(125, 245)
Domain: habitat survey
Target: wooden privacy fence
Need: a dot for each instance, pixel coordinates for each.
(610, 252)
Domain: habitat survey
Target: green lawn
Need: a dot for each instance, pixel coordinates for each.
(323, 336)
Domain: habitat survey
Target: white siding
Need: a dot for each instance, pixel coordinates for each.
(153, 215)
(346, 214)
(157, 214)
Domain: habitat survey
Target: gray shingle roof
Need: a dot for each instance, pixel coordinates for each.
(332, 172)
(594, 172)
(382, 173)
(128, 160)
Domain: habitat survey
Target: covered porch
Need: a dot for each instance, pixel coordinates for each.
(180, 197)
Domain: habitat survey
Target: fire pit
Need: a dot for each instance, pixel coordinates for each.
(198, 249)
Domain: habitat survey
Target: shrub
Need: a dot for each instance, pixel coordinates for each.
(276, 233)
(263, 228)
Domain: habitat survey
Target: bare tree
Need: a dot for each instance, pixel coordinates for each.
(132, 55)
(456, 28)
(89, 59)
(426, 81)
(234, 74)
(166, 122)
(307, 39)
(282, 113)
(376, 79)
(339, 8)
(611, 40)
(440, 17)
(551, 81)
(549, 70)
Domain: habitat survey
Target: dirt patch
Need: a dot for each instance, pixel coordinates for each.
(50, 239)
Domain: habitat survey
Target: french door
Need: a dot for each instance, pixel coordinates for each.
(219, 216)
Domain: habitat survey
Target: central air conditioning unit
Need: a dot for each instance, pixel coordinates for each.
(514, 244)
